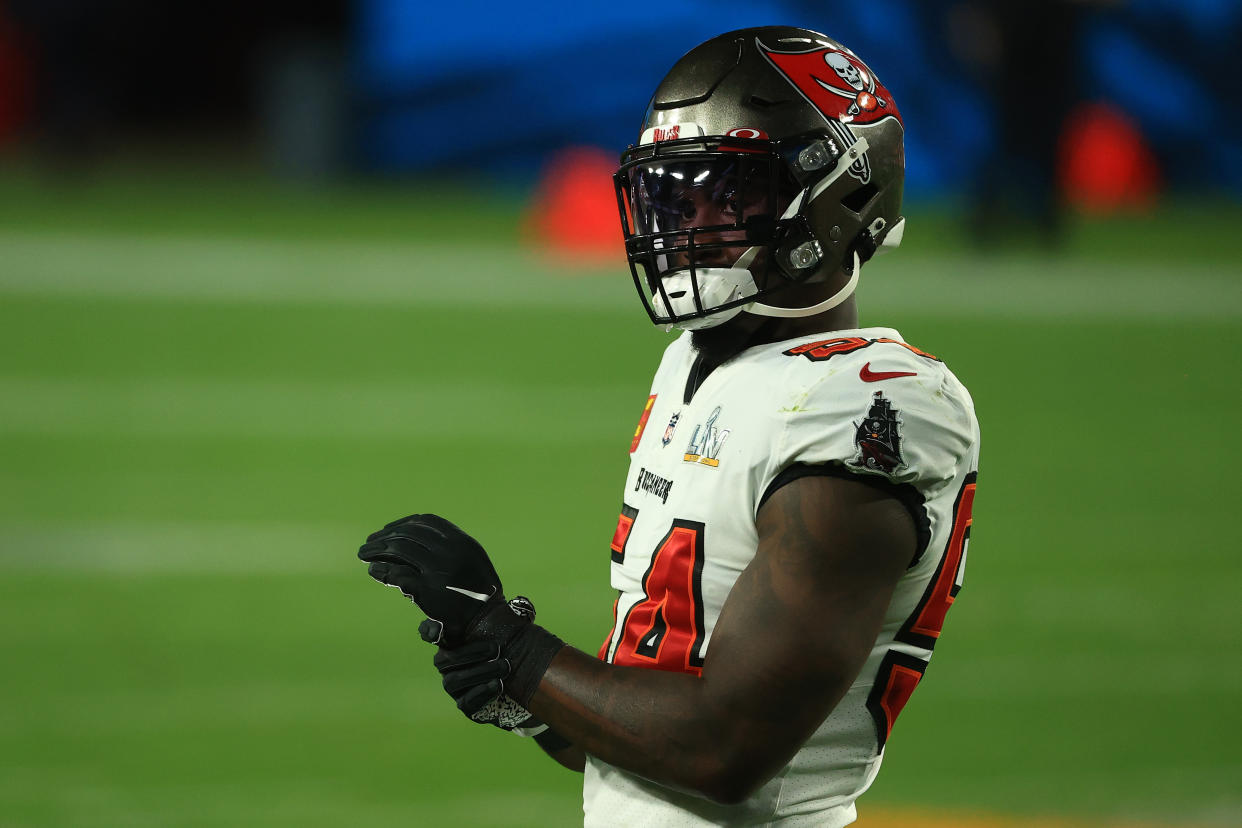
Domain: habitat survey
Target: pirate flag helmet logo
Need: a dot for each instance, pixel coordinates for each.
(836, 82)
(878, 439)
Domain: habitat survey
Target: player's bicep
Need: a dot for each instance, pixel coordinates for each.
(800, 621)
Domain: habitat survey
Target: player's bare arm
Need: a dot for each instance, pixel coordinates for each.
(792, 636)
(569, 756)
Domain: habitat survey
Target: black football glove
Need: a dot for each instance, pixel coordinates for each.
(474, 676)
(449, 575)
(440, 568)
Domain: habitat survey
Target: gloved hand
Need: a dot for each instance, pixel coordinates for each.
(449, 575)
(474, 676)
(440, 568)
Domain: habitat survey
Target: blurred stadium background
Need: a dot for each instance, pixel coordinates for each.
(273, 274)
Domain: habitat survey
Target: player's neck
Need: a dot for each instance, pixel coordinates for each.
(843, 317)
(722, 343)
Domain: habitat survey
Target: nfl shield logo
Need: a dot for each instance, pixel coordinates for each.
(670, 428)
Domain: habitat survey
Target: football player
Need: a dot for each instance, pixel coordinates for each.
(795, 520)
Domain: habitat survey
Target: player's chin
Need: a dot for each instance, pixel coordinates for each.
(729, 338)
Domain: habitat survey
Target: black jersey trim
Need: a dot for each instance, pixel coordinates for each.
(875, 699)
(909, 496)
(700, 370)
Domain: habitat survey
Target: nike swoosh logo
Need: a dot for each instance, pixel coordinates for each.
(478, 596)
(867, 375)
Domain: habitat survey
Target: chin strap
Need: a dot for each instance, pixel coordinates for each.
(760, 309)
(854, 151)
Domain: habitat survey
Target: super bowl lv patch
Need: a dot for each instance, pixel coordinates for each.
(878, 438)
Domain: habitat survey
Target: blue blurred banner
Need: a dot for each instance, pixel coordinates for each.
(500, 86)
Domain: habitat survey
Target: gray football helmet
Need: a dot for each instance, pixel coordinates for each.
(768, 157)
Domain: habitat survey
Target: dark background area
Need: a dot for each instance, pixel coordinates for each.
(385, 86)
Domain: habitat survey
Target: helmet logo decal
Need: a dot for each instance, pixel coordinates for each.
(670, 132)
(836, 83)
(841, 88)
(746, 132)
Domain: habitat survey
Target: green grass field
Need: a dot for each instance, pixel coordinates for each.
(210, 393)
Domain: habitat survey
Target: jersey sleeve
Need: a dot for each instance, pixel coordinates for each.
(911, 430)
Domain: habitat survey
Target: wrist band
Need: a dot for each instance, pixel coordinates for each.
(529, 653)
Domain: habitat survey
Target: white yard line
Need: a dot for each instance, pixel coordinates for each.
(178, 548)
(1165, 674)
(293, 273)
(484, 275)
(282, 408)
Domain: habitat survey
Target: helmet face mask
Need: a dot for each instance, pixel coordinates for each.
(749, 177)
(700, 220)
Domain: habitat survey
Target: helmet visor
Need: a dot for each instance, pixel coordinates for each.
(685, 213)
(709, 198)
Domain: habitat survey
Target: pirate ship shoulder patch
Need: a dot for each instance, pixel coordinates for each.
(878, 438)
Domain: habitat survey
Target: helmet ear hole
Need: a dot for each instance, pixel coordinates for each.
(858, 200)
(864, 247)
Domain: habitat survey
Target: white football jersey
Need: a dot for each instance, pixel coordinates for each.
(861, 403)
